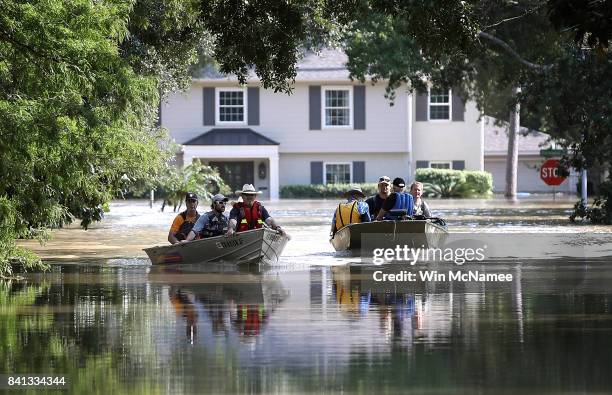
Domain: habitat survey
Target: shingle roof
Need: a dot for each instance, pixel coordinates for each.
(329, 64)
(241, 136)
(496, 139)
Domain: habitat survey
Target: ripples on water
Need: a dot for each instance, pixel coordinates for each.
(312, 323)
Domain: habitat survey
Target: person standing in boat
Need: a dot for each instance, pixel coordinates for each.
(375, 202)
(249, 214)
(398, 200)
(355, 210)
(213, 223)
(184, 222)
(420, 207)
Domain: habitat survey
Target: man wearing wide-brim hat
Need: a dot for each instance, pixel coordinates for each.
(249, 214)
(355, 210)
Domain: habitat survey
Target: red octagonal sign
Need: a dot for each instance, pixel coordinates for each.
(549, 172)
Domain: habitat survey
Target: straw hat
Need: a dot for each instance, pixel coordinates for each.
(248, 189)
(354, 191)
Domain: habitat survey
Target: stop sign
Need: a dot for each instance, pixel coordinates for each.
(549, 172)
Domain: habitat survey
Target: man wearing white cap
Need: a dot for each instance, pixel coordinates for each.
(249, 214)
(213, 223)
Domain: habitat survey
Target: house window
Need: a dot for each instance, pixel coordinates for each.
(337, 173)
(441, 165)
(231, 106)
(439, 104)
(337, 107)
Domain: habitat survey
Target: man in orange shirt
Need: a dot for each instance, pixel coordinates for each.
(182, 224)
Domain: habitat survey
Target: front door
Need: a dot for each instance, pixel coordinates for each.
(235, 174)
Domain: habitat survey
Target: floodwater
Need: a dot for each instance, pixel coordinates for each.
(315, 322)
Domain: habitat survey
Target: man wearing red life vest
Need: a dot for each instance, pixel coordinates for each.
(249, 214)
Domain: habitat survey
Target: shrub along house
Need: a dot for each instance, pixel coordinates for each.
(329, 130)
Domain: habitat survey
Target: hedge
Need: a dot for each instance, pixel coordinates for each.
(455, 183)
(332, 191)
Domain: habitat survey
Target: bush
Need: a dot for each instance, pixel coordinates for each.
(455, 183)
(332, 191)
(600, 212)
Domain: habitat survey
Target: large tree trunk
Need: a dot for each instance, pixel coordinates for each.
(512, 156)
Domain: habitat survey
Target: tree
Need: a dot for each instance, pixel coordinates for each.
(497, 46)
(81, 82)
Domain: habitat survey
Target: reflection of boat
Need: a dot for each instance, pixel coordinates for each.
(414, 233)
(228, 300)
(263, 245)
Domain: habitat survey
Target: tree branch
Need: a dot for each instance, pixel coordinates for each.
(535, 66)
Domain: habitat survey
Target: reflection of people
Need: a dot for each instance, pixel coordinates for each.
(420, 207)
(398, 200)
(353, 211)
(250, 319)
(213, 223)
(249, 214)
(183, 223)
(184, 306)
(375, 202)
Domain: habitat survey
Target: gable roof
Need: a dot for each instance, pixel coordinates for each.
(237, 136)
(496, 139)
(328, 64)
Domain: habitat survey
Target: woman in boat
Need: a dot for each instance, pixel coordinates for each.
(184, 222)
(213, 223)
(420, 207)
(249, 214)
(355, 210)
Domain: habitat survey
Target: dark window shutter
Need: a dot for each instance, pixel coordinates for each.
(458, 107)
(422, 164)
(209, 106)
(421, 107)
(359, 107)
(314, 101)
(359, 171)
(253, 105)
(458, 165)
(316, 172)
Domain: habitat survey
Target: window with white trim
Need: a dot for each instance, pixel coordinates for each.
(337, 107)
(441, 165)
(337, 173)
(439, 104)
(231, 105)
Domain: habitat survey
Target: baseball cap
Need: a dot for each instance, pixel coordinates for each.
(191, 196)
(399, 182)
(219, 198)
(384, 179)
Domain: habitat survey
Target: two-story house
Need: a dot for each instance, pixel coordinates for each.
(329, 130)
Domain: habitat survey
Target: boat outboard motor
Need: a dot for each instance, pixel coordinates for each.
(396, 215)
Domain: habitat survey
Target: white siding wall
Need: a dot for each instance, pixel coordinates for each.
(295, 168)
(448, 141)
(285, 119)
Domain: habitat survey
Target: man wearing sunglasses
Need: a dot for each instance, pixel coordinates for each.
(375, 202)
(213, 223)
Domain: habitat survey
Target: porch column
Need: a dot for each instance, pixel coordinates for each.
(274, 187)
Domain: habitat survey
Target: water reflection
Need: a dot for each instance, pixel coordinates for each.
(324, 329)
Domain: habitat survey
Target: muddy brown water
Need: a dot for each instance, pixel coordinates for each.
(315, 322)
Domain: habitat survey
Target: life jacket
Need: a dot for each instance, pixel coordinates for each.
(250, 218)
(347, 213)
(404, 201)
(186, 226)
(215, 225)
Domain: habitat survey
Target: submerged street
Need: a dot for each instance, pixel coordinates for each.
(315, 322)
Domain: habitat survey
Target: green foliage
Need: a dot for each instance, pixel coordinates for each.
(455, 183)
(316, 191)
(203, 180)
(600, 212)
